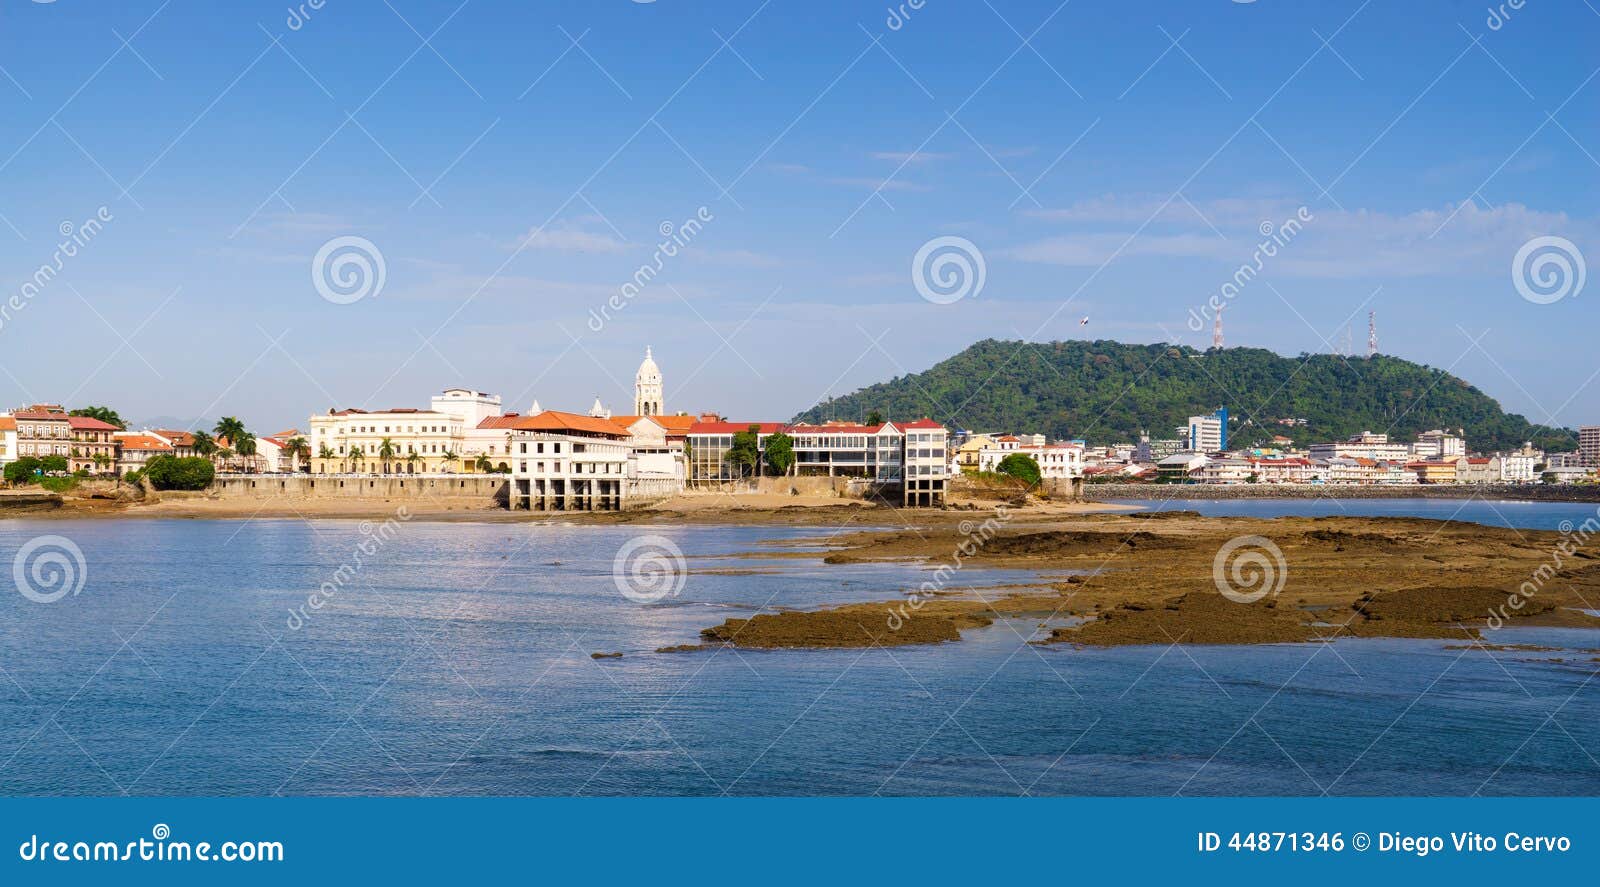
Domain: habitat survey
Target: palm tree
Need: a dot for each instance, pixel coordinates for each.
(204, 444)
(483, 463)
(224, 454)
(298, 448)
(356, 455)
(386, 452)
(326, 454)
(411, 461)
(447, 457)
(245, 446)
(229, 427)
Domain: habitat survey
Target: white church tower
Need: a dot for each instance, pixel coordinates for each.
(647, 388)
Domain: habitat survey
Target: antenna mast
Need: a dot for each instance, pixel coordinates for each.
(1216, 329)
(1372, 334)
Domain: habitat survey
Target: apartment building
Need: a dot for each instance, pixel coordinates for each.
(8, 440)
(1206, 434)
(1589, 445)
(1062, 461)
(1365, 445)
(1437, 444)
(43, 430)
(418, 441)
(567, 462)
(136, 448)
(912, 456)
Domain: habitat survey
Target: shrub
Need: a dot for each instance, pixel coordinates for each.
(1020, 466)
(53, 463)
(58, 484)
(188, 473)
(22, 470)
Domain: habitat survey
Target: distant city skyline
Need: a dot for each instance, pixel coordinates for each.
(532, 194)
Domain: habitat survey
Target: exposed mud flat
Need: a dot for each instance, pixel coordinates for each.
(1147, 579)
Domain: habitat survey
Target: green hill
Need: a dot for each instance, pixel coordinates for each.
(1107, 392)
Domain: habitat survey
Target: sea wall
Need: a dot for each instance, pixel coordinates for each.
(471, 489)
(1529, 492)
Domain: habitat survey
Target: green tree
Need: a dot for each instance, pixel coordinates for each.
(204, 444)
(101, 460)
(482, 463)
(172, 473)
(104, 414)
(23, 471)
(356, 455)
(245, 447)
(745, 453)
(1020, 466)
(53, 463)
(874, 418)
(780, 453)
(386, 453)
(449, 457)
(298, 449)
(231, 428)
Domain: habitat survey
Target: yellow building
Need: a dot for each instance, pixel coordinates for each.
(397, 441)
(1433, 472)
(967, 453)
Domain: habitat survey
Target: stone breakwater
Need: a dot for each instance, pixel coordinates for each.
(1528, 492)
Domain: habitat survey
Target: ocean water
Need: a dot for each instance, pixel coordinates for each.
(1491, 512)
(455, 660)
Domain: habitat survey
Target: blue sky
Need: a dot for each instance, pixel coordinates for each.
(513, 164)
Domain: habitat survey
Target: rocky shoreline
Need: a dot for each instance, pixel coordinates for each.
(1521, 492)
(1175, 577)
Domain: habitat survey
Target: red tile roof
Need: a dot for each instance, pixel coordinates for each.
(86, 423)
(675, 424)
(142, 443)
(553, 420)
(178, 438)
(37, 415)
(921, 424)
(7, 423)
(506, 421)
(735, 427)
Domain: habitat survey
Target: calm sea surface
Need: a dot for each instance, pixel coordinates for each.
(1493, 512)
(456, 660)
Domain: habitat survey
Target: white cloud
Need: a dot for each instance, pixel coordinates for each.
(908, 157)
(571, 240)
(1334, 243)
